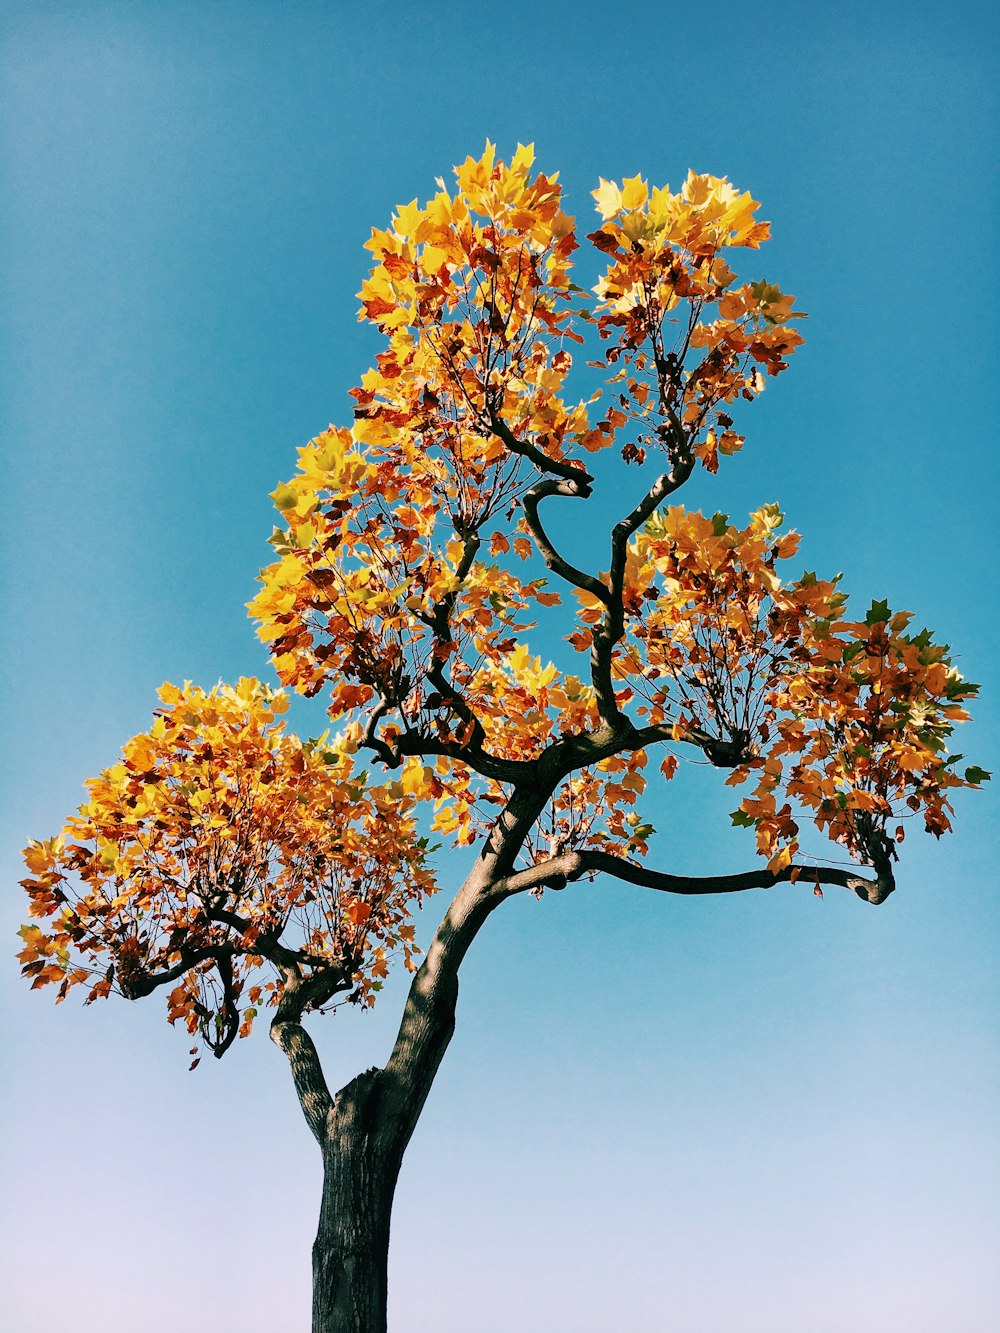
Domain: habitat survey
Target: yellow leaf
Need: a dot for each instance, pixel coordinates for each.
(634, 192)
(608, 197)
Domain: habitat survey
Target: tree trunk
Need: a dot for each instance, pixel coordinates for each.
(364, 1130)
(351, 1250)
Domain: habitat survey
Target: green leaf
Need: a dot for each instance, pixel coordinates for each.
(957, 688)
(284, 497)
(742, 820)
(765, 292)
(878, 613)
(281, 541)
(976, 775)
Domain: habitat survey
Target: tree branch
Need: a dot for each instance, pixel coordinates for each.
(134, 984)
(229, 1012)
(571, 471)
(663, 486)
(552, 558)
(290, 1036)
(618, 735)
(560, 870)
(612, 629)
(472, 750)
(575, 482)
(717, 750)
(420, 744)
(267, 944)
(428, 1020)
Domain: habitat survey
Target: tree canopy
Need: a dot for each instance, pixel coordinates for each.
(237, 866)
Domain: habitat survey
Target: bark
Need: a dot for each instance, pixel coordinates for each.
(351, 1250)
(363, 1131)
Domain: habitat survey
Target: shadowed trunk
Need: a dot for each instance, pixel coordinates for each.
(350, 1253)
(364, 1130)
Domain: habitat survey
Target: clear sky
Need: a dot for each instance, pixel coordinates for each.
(768, 1114)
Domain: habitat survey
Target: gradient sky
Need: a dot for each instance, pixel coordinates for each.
(767, 1114)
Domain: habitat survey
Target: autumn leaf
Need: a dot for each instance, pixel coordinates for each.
(221, 855)
(227, 826)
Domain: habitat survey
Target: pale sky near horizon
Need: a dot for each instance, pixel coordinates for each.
(764, 1114)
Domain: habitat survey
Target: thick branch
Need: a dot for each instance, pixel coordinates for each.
(618, 736)
(717, 750)
(552, 558)
(266, 944)
(663, 486)
(419, 743)
(136, 984)
(429, 1016)
(371, 739)
(560, 870)
(228, 1013)
(572, 471)
(461, 707)
(612, 628)
(291, 1037)
(472, 750)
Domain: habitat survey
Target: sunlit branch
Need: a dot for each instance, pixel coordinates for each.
(291, 1037)
(429, 1015)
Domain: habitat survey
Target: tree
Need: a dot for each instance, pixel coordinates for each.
(241, 868)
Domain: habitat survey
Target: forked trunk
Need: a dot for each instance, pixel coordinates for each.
(351, 1250)
(364, 1130)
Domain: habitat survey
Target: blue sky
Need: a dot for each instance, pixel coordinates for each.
(770, 1113)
